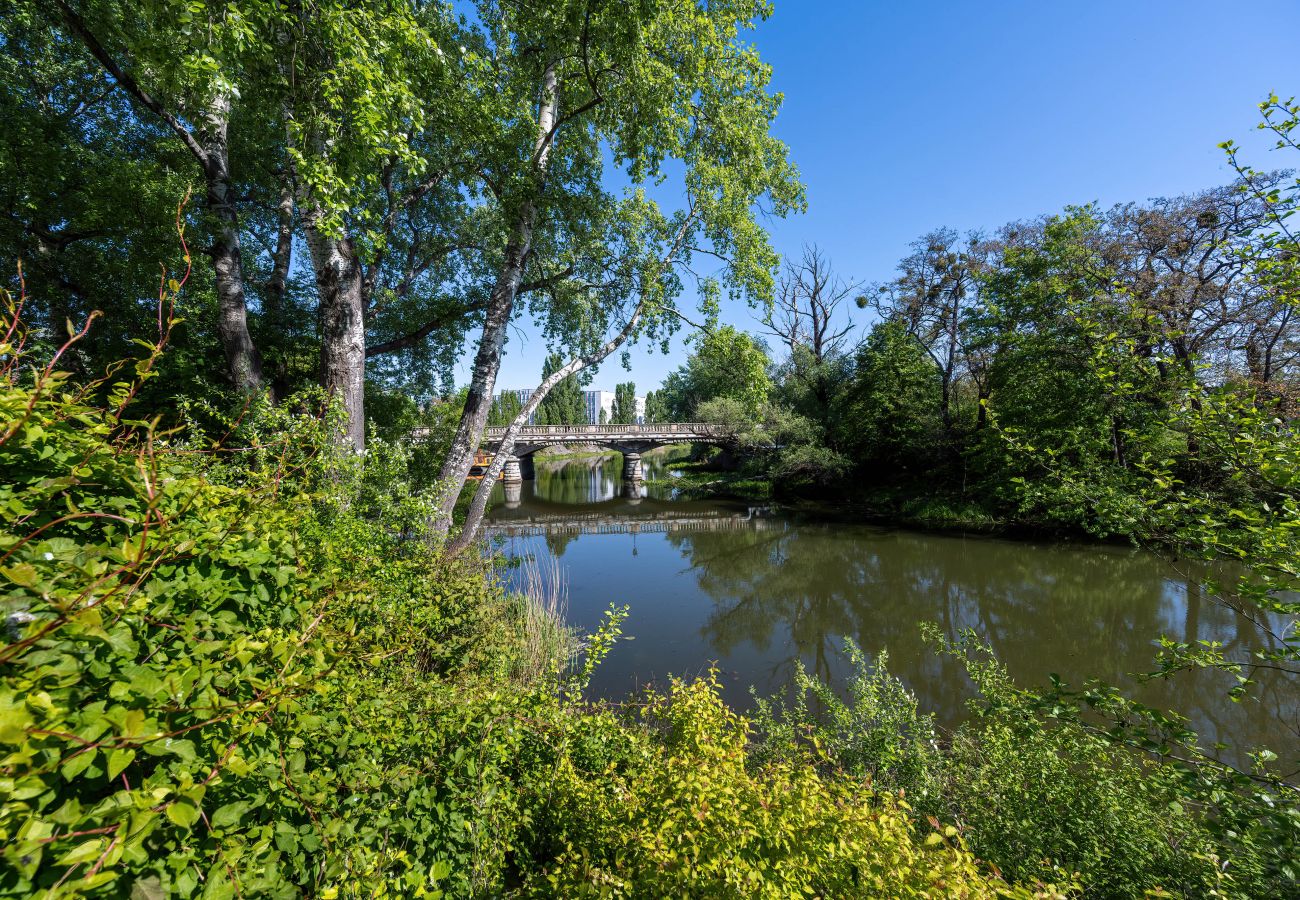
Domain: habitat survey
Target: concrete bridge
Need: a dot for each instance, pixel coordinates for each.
(630, 440)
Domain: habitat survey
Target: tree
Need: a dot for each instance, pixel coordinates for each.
(727, 363)
(808, 298)
(932, 296)
(369, 168)
(698, 96)
(624, 411)
(189, 78)
(891, 414)
(809, 318)
(504, 409)
(89, 192)
(656, 409)
(564, 404)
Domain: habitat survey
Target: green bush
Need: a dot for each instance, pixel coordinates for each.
(677, 812)
(1041, 799)
(879, 732)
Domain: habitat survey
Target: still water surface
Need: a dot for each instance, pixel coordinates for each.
(754, 589)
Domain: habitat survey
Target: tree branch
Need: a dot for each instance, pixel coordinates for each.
(79, 27)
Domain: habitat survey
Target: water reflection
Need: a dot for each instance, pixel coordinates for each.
(712, 581)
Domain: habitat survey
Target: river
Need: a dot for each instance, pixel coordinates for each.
(753, 589)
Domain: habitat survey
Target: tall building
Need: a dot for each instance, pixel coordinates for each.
(598, 401)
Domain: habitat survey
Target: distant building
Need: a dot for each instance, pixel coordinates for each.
(597, 401)
(593, 402)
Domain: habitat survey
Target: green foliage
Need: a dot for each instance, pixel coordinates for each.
(879, 732)
(774, 442)
(678, 813)
(889, 413)
(504, 409)
(624, 412)
(1042, 798)
(726, 364)
(656, 408)
(564, 405)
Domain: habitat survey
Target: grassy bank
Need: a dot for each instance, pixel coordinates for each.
(696, 479)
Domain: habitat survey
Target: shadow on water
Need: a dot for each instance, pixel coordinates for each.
(755, 590)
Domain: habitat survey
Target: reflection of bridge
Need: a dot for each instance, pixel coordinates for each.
(630, 440)
(604, 523)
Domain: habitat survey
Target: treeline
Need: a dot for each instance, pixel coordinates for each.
(1035, 374)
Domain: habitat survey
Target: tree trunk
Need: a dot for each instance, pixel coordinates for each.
(478, 403)
(209, 145)
(500, 305)
(242, 359)
(343, 327)
(479, 504)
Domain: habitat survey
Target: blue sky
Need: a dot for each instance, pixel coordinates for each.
(905, 116)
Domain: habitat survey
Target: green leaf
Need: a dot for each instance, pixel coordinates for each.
(118, 760)
(230, 814)
(183, 811)
(78, 763)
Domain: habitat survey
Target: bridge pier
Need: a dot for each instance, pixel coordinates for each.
(511, 472)
(514, 491)
(632, 467)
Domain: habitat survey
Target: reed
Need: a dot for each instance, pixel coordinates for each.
(548, 643)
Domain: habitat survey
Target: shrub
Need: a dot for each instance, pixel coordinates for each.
(879, 733)
(1041, 799)
(683, 815)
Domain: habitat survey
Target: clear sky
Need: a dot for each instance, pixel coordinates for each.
(904, 116)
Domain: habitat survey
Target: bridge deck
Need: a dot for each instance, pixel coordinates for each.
(666, 432)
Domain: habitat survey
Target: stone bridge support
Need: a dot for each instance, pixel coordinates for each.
(512, 472)
(632, 466)
(517, 469)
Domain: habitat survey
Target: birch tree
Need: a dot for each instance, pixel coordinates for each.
(187, 64)
(577, 83)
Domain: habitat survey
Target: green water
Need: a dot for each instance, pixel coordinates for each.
(752, 590)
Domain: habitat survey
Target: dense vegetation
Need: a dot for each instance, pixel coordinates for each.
(234, 667)
(246, 651)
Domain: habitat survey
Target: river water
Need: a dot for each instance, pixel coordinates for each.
(753, 589)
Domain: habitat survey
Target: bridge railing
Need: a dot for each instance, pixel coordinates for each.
(686, 429)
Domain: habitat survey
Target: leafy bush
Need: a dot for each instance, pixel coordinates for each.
(1042, 799)
(879, 732)
(683, 815)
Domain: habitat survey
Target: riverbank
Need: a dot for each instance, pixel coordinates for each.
(702, 480)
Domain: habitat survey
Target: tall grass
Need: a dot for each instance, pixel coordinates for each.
(549, 644)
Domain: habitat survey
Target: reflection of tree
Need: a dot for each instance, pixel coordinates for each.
(1076, 611)
(577, 481)
(557, 541)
